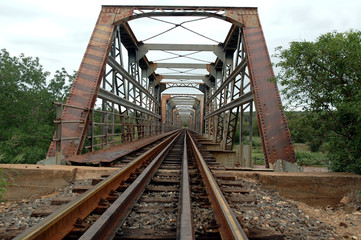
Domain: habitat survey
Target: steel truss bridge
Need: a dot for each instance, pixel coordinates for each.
(129, 86)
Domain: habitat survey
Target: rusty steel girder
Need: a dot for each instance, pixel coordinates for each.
(275, 135)
(86, 84)
(276, 138)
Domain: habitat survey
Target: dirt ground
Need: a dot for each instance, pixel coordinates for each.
(345, 217)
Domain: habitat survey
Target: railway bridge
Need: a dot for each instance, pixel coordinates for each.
(148, 70)
(158, 99)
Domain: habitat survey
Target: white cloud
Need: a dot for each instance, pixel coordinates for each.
(37, 28)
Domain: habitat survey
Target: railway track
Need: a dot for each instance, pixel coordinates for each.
(167, 192)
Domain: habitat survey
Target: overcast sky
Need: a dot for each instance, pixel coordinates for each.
(58, 31)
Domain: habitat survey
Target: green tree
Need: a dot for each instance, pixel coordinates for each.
(26, 110)
(306, 127)
(323, 78)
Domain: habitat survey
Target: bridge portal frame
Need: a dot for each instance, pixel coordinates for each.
(144, 87)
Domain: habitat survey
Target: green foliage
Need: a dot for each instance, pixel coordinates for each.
(257, 151)
(5, 176)
(306, 127)
(303, 155)
(4, 182)
(307, 158)
(296, 126)
(322, 74)
(26, 112)
(323, 78)
(255, 130)
(256, 142)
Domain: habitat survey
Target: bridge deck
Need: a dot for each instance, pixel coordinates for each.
(110, 154)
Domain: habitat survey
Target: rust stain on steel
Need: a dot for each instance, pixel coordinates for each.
(86, 84)
(245, 16)
(276, 138)
(230, 228)
(104, 227)
(273, 127)
(165, 98)
(115, 152)
(275, 135)
(209, 68)
(186, 231)
(60, 223)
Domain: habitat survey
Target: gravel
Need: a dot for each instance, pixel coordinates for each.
(159, 220)
(270, 211)
(274, 212)
(18, 214)
(202, 218)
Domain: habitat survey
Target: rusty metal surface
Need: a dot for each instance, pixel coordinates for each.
(115, 152)
(245, 16)
(106, 226)
(185, 223)
(229, 225)
(276, 138)
(86, 84)
(275, 135)
(59, 224)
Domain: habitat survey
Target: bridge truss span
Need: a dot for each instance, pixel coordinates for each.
(129, 85)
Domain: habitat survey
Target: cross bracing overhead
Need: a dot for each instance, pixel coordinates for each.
(148, 68)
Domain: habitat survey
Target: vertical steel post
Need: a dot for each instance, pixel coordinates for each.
(58, 134)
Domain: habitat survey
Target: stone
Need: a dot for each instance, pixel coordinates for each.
(346, 235)
(273, 224)
(342, 224)
(345, 200)
(267, 198)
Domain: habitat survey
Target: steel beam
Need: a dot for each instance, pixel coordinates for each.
(178, 47)
(188, 77)
(181, 65)
(108, 96)
(231, 77)
(273, 127)
(204, 78)
(245, 98)
(87, 81)
(184, 82)
(272, 123)
(234, 90)
(114, 64)
(179, 7)
(216, 49)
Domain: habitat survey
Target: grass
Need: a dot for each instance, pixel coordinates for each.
(307, 158)
(257, 151)
(303, 155)
(5, 180)
(5, 175)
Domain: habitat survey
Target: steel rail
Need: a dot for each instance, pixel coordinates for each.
(106, 226)
(229, 225)
(185, 230)
(60, 223)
